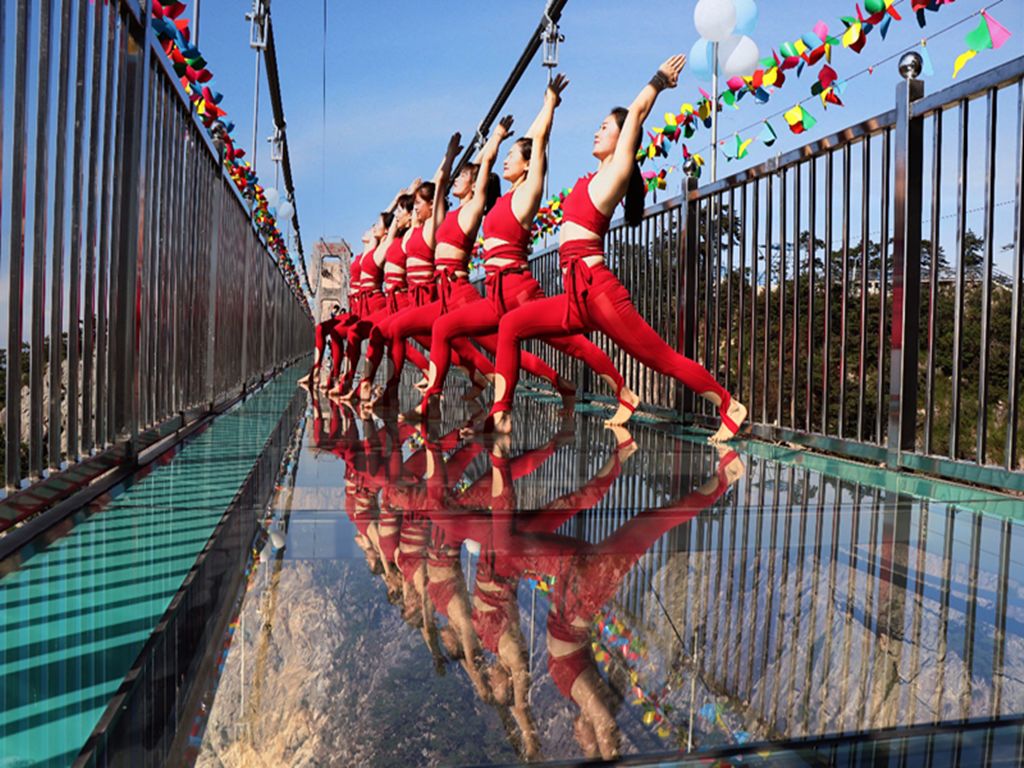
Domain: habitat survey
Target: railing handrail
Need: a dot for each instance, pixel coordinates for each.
(971, 88)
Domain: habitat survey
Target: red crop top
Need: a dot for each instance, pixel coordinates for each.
(396, 257)
(579, 209)
(355, 282)
(373, 274)
(420, 264)
(501, 224)
(450, 233)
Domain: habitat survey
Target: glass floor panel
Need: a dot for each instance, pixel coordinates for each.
(578, 591)
(76, 612)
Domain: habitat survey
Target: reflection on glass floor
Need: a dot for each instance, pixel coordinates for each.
(76, 611)
(587, 592)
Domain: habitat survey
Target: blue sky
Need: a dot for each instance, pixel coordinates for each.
(401, 76)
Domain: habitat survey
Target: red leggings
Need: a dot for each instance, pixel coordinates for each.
(379, 332)
(332, 329)
(358, 333)
(594, 300)
(418, 321)
(507, 291)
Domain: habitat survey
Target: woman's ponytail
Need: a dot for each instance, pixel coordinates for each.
(636, 191)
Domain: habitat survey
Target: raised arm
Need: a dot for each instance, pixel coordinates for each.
(485, 160)
(609, 185)
(526, 199)
(444, 172)
(382, 250)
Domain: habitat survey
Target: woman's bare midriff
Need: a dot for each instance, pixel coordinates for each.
(447, 253)
(499, 262)
(572, 231)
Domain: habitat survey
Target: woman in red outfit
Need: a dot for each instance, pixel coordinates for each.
(332, 329)
(509, 282)
(396, 288)
(436, 281)
(595, 300)
(370, 296)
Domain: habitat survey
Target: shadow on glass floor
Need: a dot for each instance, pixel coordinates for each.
(583, 592)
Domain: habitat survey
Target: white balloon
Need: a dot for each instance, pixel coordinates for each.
(285, 211)
(714, 19)
(701, 62)
(738, 56)
(273, 197)
(276, 539)
(746, 17)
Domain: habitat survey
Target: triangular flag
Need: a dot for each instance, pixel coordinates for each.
(927, 68)
(998, 34)
(767, 135)
(979, 39)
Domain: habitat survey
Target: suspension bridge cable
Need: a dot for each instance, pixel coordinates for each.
(553, 12)
(274, 86)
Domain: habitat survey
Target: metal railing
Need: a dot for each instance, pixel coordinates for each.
(855, 293)
(139, 294)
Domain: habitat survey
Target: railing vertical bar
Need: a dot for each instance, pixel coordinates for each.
(92, 237)
(865, 263)
(780, 373)
(812, 250)
(883, 281)
(741, 294)
(753, 295)
(106, 219)
(766, 363)
(728, 289)
(961, 232)
(986, 280)
(1013, 409)
(689, 239)
(55, 436)
(706, 269)
(715, 242)
(15, 285)
(41, 175)
(844, 290)
(827, 346)
(77, 243)
(794, 350)
(649, 265)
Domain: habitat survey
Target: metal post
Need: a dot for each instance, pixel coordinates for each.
(15, 285)
(906, 282)
(690, 242)
(714, 113)
(131, 237)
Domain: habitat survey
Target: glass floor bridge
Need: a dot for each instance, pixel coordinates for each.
(411, 599)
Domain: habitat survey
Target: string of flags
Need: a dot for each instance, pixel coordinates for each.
(791, 59)
(172, 31)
